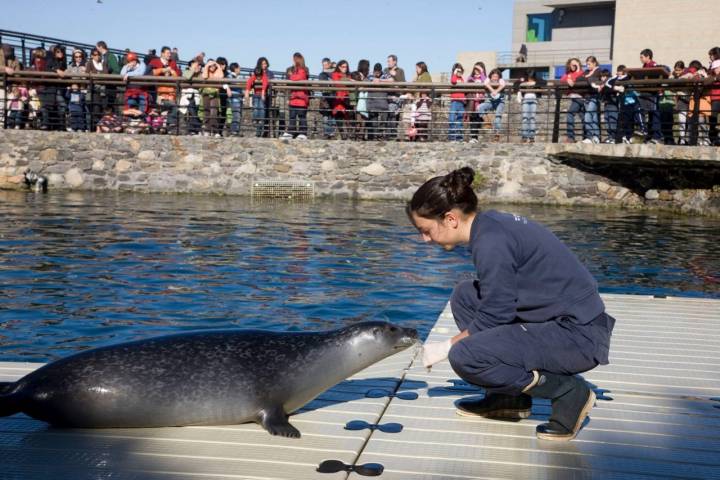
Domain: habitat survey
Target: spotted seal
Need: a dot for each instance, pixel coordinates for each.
(214, 377)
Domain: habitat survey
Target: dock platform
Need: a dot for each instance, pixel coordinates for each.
(657, 416)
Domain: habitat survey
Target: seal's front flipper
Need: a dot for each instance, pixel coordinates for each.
(275, 421)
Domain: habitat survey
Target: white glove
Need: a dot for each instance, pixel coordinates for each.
(435, 352)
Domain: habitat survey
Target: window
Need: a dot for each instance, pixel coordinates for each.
(539, 27)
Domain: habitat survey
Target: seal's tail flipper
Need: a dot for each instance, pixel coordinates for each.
(8, 405)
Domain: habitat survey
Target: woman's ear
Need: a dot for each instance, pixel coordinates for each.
(451, 219)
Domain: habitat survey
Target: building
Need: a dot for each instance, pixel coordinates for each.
(546, 33)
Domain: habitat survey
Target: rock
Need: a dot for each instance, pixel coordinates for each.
(652, 195)
(74, 177)
(374, 169)
(98, 166)
(328, 165)
(123, 166)
(133, 144)
(283, 168)
(603, 187)
(48, 155)
(247, 168)
(146, 155)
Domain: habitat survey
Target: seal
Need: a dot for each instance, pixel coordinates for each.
(216, 377)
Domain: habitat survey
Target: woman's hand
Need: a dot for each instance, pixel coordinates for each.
(435, 352)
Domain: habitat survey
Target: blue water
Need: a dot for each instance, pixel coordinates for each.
(79, 270)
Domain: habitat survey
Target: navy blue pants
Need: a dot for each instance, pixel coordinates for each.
(500, 358)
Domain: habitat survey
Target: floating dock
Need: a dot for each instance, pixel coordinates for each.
(657, 416)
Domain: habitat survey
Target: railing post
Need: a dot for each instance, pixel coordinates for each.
(556, 117)
(432, 116)
(93, 101)
(178, 93)
(24, 55)
(4, 100)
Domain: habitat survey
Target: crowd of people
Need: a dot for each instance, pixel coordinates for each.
(216, 109)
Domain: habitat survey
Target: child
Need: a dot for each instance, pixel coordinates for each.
(109, 123)
(528, 100)
(16, 100)
(35, 106)
(495, 86)
(629, 107)
(76, 106)
(422, 117)
(457, 106)
(156, 121)
(609, 98)
(133, 121)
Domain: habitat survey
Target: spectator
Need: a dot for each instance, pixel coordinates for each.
(682, 101)
(299, 99)
(573, 73)
(222, 95)
(649, 104)
(110, 60)
(609, 94)
(699, 124)
(76, 106)
(8, 63)
(326, 100)
(422, 117)
(457, 106)
(528, 100)
(136, 98)
(150, 56)
(165, 66)
(629, 107)
(341, 103)
(211, 98)
(134, 121)
(97, 96)
(396, 74)
(17, 98)
(234, 93)
(495, 101)
(591, 122)
(175, 55)
(77, 63)
(52, 96)
(360, 100)
(421, 73)
(155, 121)
(714, 70)
(478, 75)
(260, 96)
(190, 100)
(377, 105)
(109, 123)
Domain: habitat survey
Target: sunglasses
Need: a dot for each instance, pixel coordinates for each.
(366, 470)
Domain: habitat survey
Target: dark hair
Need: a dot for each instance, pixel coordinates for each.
(679, 64)
(233, 66)
(221, 61)
(340, 63)
(165, 49)
(357, 76)
(258, 65)
(696, 64)
(495, 71)
(393, 56)
(592, 59)
(604, 72)
(101, 44)
(423, 67)
(647, 53)
(326, 59)
(456, 66)
(621, 68)
(377, 68)
(480, 64)
(439, 195)
(568, 64)
(364, 67)
(715, 53)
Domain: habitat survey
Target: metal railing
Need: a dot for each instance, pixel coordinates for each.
(549, 57)
(679, 111)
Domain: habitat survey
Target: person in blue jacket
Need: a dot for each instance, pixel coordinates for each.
(529, 322)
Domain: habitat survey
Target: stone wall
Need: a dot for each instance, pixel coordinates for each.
(368, 170)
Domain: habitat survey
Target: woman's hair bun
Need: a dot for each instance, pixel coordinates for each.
(457, 182)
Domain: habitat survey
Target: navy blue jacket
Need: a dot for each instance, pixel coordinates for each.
(525, 273)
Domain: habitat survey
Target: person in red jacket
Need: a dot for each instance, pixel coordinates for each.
(341, 102)
(573, 74)
(457, 106)
(261, 97)
(299, 99)
(165, 66)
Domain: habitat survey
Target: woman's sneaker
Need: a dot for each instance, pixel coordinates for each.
(495, 405)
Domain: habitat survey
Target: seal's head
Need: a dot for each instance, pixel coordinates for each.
(380, 339)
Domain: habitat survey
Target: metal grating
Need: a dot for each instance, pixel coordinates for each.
(283, 189)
